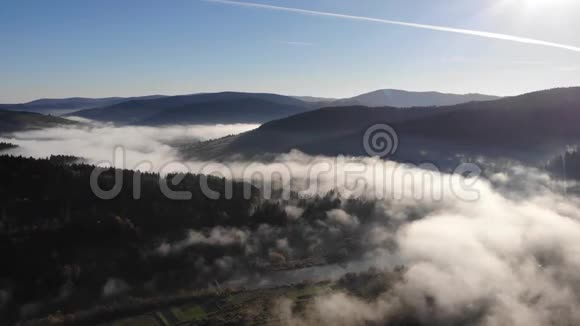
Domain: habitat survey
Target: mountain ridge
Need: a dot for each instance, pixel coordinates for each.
(147, 112)
(406, 99)
(58, 106)
(133, 112)
(526, 123)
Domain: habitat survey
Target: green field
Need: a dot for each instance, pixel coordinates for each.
(240, 307)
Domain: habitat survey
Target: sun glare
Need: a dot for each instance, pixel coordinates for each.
(542, 4)
(538, 4)
(535, 8)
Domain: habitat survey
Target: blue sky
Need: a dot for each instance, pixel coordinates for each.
(126, 48)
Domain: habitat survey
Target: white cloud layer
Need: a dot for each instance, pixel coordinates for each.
(96, 142)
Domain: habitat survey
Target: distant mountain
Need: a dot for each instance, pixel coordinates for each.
(67, 105)
(406, 99)
(245, 110)
(127, 107)
(226, 107)
(314, 99)
(523, 126)
(11, 121)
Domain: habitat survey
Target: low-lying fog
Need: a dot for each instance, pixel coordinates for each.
(507, 254)
(96, 142)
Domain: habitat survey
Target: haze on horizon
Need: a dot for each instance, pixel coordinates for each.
(107, 48)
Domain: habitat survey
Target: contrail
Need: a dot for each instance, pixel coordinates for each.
(489, 35)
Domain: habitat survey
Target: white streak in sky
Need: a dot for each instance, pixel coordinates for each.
(489, 35)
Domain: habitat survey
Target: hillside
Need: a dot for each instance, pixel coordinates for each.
(526, 124)
(188, 106)
(11, 121)
(246, 110)
(525, 120)
(53, 221)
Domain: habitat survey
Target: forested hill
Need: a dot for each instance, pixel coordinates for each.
(528, 123)
(63, 249)
(224, 107)
(11, 121)
(56, 234)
